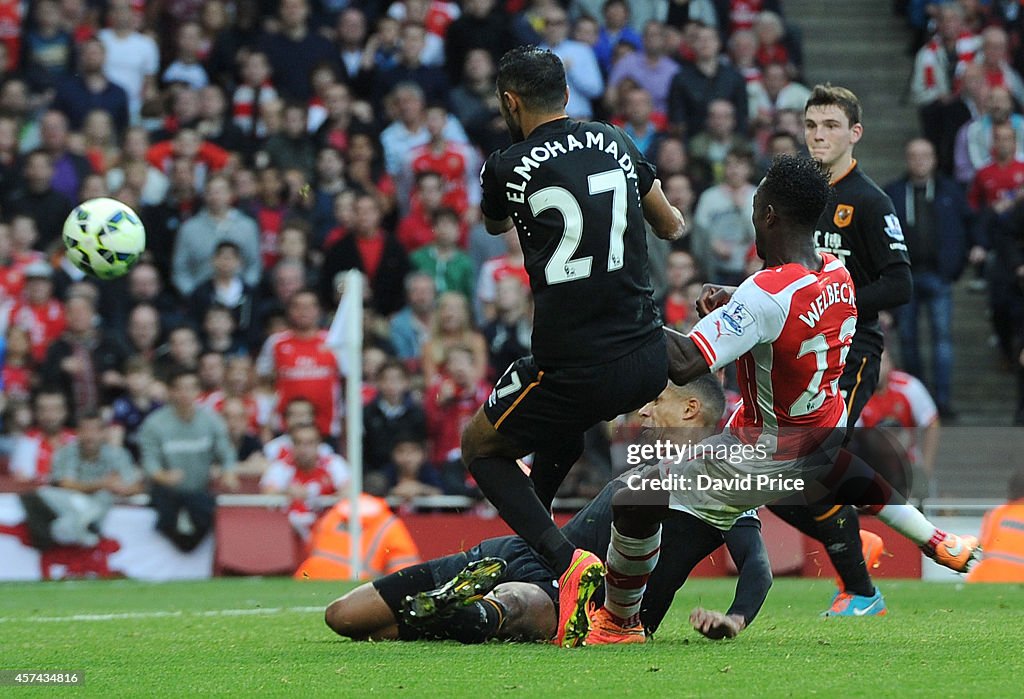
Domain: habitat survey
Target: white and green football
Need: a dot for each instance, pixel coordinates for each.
(104, 237)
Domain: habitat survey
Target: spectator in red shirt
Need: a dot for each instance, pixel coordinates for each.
(38, 311)
(1001, 184)
(371, 250)
(451, 401)
(512, 263)
(681, 271)
(12, 274)
(416, 230)
(187, 143)
(33, 451)
(17, 373)
(302, 365)
(456, 163)
(305, 475)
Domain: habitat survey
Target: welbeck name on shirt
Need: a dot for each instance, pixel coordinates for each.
(833, 293)
(553, 149)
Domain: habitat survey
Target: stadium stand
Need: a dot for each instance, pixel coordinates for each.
(318, 141)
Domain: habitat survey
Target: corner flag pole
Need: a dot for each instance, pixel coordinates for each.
(345, 338)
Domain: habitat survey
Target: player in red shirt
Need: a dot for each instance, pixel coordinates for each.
(302, 365)
(34, 450)
(789, 328)
(305, 475)
(37, 311)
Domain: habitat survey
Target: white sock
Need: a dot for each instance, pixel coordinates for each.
(911, 523)
(630, 562)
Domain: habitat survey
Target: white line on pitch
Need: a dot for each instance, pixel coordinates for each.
(160, 615)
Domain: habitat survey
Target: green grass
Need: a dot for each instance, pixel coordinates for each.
(938, 640)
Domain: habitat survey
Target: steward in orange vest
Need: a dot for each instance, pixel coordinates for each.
(1002, 540)
(386, 544)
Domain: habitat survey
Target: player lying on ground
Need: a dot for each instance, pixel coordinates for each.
(789, 326)
(502, 589)
(577, 194)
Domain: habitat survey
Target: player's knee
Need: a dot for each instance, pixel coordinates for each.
(472, 441)
(343, 616)
(338, 617)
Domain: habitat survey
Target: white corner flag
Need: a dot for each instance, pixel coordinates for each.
(345, 339)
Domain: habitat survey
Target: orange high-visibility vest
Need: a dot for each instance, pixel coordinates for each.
(1002, 543)
(386, 544)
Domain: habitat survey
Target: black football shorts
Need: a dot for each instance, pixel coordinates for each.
(543, 409)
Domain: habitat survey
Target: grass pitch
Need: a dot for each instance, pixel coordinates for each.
(267, 636)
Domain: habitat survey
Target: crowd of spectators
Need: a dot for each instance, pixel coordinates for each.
(268, 147)
(962, 199)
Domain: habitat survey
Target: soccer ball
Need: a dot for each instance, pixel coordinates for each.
(104, 237)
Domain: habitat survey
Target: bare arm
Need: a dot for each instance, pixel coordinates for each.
(665, 219)
(685, 361)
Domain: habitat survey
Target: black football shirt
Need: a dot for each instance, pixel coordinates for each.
(861, 228)
(573, 191)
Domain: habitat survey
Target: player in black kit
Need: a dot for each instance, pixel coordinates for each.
(577, 194)
(862, 229)
(502, 589)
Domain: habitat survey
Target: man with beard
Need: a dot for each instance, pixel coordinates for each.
(502, 589)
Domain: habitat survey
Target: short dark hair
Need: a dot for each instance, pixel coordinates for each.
(227, 245)
(180, 372)
(797, 187)
(444, 212)
(784, 134)
(393, 365)
(218, 307)
(708, 389)
(829, 94)
(741, 152)
(536, 75)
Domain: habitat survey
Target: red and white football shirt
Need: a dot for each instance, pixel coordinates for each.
(33, 454)
(304, 367)
(280, 449)
(790, 329)
(44, 324)
(327, 477)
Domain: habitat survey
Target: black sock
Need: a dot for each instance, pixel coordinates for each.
(547, 477)
(511, 491)
(840, 534)
(474, 623)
